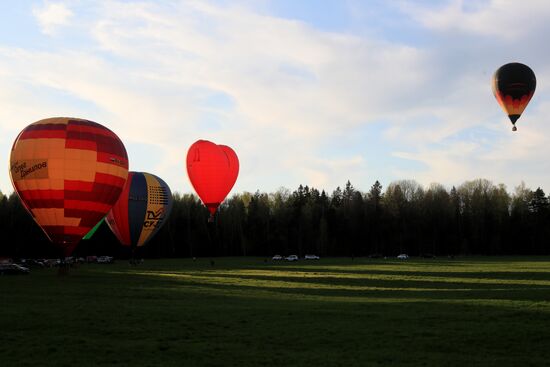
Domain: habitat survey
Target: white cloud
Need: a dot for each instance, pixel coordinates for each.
(291, 86)
(51, 16)
(296, 74)
(285, 95)
(510, 20)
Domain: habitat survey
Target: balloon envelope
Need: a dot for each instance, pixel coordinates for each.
(212, 170)
(513, 86)
(141, 210)
(68, 173)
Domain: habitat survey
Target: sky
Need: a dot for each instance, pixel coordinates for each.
(312, 92)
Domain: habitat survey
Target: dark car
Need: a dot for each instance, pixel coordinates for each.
(105, 259)
(30, 263)
(13, 269)
(311, 257)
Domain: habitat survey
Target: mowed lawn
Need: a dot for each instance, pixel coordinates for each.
(252, 312)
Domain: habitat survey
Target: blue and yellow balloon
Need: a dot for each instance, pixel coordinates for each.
(141, 210)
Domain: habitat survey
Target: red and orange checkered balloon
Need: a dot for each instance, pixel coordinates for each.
(68, 173)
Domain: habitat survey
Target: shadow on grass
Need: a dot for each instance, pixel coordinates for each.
(172, 313)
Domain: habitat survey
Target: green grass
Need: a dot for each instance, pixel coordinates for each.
(245, 312)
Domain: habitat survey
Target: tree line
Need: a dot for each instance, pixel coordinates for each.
(477, 217)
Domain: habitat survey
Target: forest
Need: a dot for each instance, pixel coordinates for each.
(475, 218)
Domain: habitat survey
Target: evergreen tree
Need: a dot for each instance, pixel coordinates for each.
(538, 202)
(476, 217)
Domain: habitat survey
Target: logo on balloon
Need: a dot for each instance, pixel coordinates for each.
(154, 219)
(137, 197)
(117, 161)
(33, 168)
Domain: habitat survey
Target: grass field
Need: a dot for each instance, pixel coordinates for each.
(247, 312)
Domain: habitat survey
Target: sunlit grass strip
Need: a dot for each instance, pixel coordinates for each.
(445, 267)
(354, 276)
(233, 278)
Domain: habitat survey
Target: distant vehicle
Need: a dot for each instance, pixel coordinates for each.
(376, 256)
(402, 256)
(311, 257)
(91, 259)
(28, 263)
(50, 263)
(13, 269)
(291, 258)
(428, 256)
(105, 259)
(277, 257)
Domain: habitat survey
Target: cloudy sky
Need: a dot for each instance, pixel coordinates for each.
(309, 92)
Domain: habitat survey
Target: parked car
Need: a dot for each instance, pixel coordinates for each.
(402, 256)
(291, 258)
(28, 263)
(105, 259)
(13, 269)
(311, 257)
(50, 263)
(277, 257)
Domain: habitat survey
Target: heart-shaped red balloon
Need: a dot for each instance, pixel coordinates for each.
(212, 170)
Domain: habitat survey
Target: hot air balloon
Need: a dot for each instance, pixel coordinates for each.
(513, 86)
(68, 173)
(212, 170)
(141, 210)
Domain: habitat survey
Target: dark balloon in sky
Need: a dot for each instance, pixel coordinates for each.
(141, 210)
(212, 170)
(68, 173)
(513, 86)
